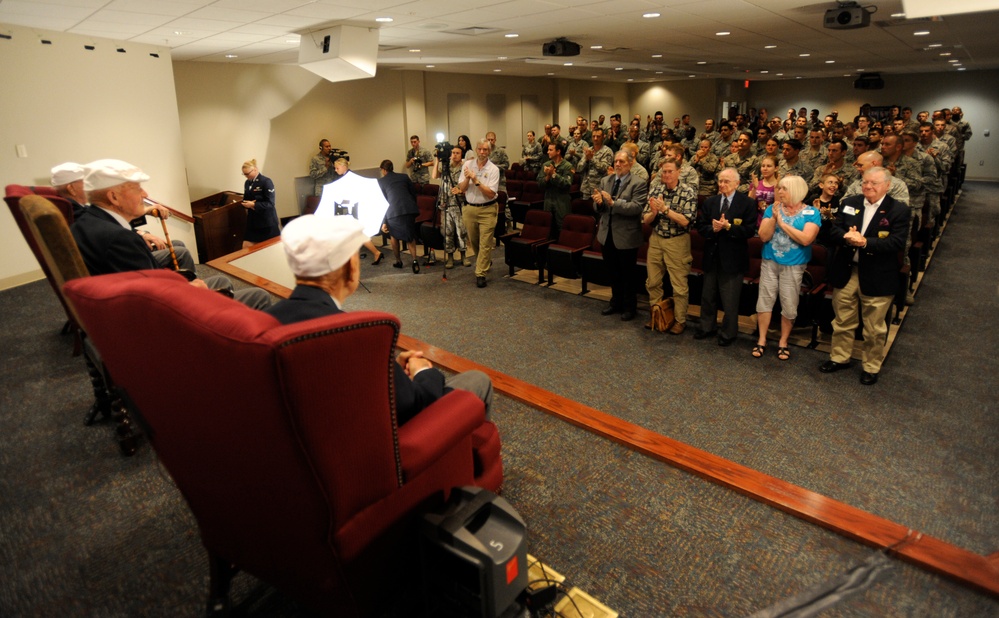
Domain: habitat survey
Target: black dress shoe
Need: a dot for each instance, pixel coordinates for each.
(831, 366)
(480, 282)
(704, 334)
(397, 265)
(725, 342)
(867, 378)
(628, 316)
(416, 267)
(610, 310)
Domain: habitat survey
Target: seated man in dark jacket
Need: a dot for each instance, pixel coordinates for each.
(105, 238)
(322, 252)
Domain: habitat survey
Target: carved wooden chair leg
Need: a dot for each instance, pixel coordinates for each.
(102, 399)
(128, 434)
(221, 572)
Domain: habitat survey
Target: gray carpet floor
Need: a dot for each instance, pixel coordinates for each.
(85, 532)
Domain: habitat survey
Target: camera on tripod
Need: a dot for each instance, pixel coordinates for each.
(443, 150)
(336, 153)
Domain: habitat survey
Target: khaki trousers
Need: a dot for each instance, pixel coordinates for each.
(480, 221)
(851, 306)
(669, 255)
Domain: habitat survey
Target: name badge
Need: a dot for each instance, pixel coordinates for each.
(808, 211)
(883, 234)
(849, 210)
(736, 221)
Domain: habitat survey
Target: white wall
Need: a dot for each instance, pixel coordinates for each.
(974, 91)
(64, 103)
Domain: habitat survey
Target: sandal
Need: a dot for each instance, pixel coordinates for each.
(758, 350)
(783, 354)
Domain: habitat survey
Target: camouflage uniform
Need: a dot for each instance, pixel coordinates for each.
(745, 166)
(593, 170)
(707, 170)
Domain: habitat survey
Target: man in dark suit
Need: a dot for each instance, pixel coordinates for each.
(106, 240)
(322, 252)
(868, 233)
(620, 201)
(400, 218)
(726, 222)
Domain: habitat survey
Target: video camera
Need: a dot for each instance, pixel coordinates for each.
(336, 153)
(443, 150)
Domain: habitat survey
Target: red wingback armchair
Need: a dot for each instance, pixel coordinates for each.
(283, 439)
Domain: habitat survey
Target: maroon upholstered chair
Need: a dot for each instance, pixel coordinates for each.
(283, 439)
(526, 248)
(577, 235)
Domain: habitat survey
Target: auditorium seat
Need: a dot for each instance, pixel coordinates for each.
(751, 280)
(577, 234)
(695, 280)
(526, 249)
(531, 198)
(283, 438)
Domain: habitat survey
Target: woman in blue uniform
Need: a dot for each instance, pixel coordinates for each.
(258, 200)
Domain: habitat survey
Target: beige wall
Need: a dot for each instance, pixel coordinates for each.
(974, 91)
(65, 103)
(676, 98)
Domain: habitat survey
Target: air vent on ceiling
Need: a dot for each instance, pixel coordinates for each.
(474, 31)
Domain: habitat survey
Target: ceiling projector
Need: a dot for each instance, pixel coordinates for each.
(846, 17)
(560, 47)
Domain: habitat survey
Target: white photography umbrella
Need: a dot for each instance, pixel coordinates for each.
(362, 197)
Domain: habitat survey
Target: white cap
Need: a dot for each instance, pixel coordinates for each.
(106, 173)
(315, 245)
(66, 173)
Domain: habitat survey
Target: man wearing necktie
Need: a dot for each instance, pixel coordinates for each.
(726, 222)
(619, 201)
(868, 234)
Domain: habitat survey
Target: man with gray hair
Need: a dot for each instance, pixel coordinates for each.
(322, 253)
(106, 240)
(867, 234)
(480, 184)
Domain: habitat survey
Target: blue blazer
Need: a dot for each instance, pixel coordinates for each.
(879, 261)
(107, 247)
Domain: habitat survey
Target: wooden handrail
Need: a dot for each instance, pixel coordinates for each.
(183, 216)
(979, 572)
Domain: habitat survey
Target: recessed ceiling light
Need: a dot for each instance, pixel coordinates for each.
(921, 33)
(769, 47)
(181, 32)
(722, 33)
(501, 58)
(430, 66)
(944, 53)
(797, 77)
(780, 75)
(618, 68)
(657, 55)
(650, 15)
(954, 60)
(631, 79)
(550, 74)
(962, 69)
(414, 51)
(567, 64)
(383, 20)
(936, 45)
(830, 62)
(231, 56)
(593, 76)
(803, 55)
(497, 70)
(701, 62)
(691, 76)
(764, 72)
(596, 46)
(659, 72)
(511, 35)
(292, 41)
(898, 15)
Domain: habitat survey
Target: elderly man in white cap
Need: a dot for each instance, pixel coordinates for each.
(322, 253)
(67, 180)
(106, 239)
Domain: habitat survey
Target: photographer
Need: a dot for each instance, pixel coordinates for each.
(418, 161)
(453, 227)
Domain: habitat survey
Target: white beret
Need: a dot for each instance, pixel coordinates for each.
(106, 173)
(315, 245)
(66, 173)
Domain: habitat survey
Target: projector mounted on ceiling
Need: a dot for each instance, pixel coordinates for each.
(560, 47)
(847, 16)
(340, 53)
